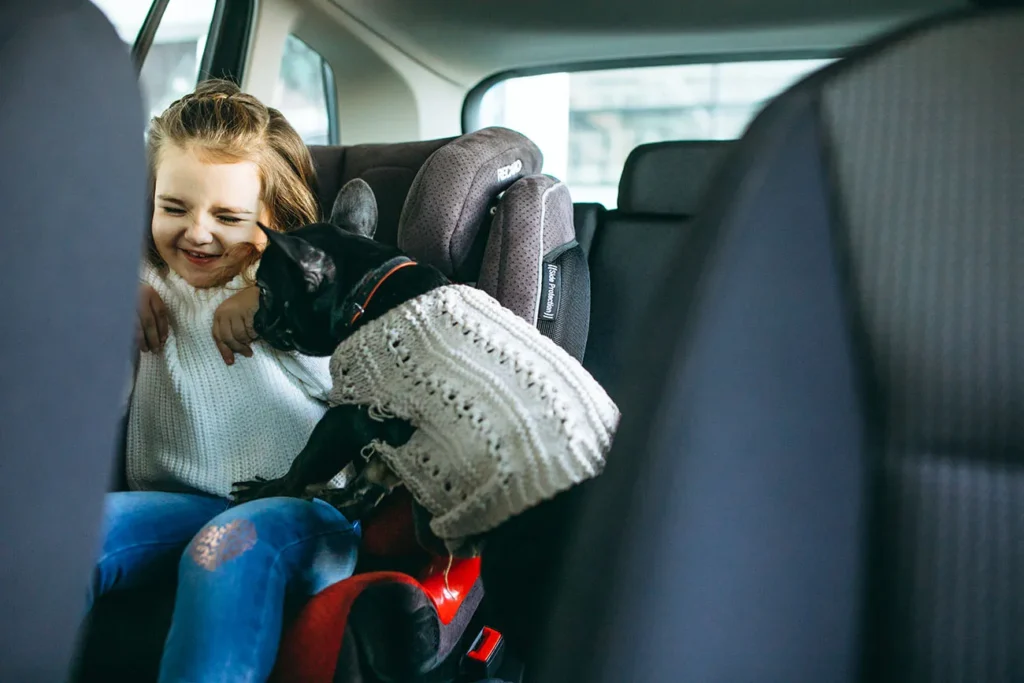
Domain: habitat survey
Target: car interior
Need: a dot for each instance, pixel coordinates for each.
(785, 237)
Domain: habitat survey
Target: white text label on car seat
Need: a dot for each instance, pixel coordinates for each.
(550, 291)
(506, 172)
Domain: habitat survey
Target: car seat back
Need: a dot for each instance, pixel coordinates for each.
(818, 473)
(660, 192)
(72, 191)
(631, 249)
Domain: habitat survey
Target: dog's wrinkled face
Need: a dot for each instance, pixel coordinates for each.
(301, 273)
(291, 277)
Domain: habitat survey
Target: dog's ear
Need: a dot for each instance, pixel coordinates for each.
(316, 267)
(355, 209)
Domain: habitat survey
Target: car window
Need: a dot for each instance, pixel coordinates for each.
(171, 68)
(587, 122)
(306, 93)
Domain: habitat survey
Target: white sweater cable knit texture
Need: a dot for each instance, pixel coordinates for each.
(197, 423)
(505, 417)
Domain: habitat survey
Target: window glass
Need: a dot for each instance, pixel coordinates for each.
(305, 92)
(587, 122)
(171, 68)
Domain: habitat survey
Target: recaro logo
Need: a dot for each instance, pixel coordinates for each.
(506, 172)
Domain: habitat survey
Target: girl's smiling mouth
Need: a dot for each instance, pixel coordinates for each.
(199, 258)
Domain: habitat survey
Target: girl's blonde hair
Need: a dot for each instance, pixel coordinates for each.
(224, 125)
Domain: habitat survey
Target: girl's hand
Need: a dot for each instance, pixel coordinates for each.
(151, 331)
(232, 324)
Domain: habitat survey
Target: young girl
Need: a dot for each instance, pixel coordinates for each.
(202, 418)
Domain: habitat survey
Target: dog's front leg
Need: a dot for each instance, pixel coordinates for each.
(335, 441)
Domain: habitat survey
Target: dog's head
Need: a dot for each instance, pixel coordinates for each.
(303, 273)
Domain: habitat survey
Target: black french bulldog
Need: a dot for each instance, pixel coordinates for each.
(318, 285)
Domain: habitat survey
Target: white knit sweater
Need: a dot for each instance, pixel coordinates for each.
(505, 417)
(197, 423)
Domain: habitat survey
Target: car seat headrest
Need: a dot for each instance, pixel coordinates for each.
(388, 169)
(453, 192)
(533, 222)
(668, 178)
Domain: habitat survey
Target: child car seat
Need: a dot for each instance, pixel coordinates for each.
(479, 210)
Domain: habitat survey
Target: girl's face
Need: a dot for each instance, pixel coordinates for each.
(201, 210)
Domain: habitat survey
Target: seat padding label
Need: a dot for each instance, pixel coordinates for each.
(550, 291)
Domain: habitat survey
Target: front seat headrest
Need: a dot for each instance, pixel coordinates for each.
(454, 190)
(668, 178)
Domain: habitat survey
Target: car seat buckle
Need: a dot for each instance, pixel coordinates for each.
(485, 655)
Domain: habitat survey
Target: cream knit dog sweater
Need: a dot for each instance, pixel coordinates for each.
(505, 417)
(196, 423)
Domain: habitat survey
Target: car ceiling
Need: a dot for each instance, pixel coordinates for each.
(467, 40)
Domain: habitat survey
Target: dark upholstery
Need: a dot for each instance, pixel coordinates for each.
(629, 255)
(818, 473)
(648, 187)
(405, 647)
(125, 634)
(634, 246)
(587, 217)
(629, 258)
(933, 234)
(72, 195)
(389, 169)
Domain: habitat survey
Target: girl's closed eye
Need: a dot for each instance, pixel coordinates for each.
(173, 210)
(233, 215)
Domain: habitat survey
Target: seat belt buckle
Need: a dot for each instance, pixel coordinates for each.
(484, 657)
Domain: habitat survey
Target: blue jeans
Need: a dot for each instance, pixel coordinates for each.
(236, 568)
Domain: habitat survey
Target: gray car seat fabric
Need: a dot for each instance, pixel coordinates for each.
(478, 208)
(388, 168)
(449, 199)
(533, 265)
(72, 192)
(481, 212)
(817, 477)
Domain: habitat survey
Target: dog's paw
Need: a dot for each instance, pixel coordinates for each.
(245, 491)
(354, 501)
(314, 491)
